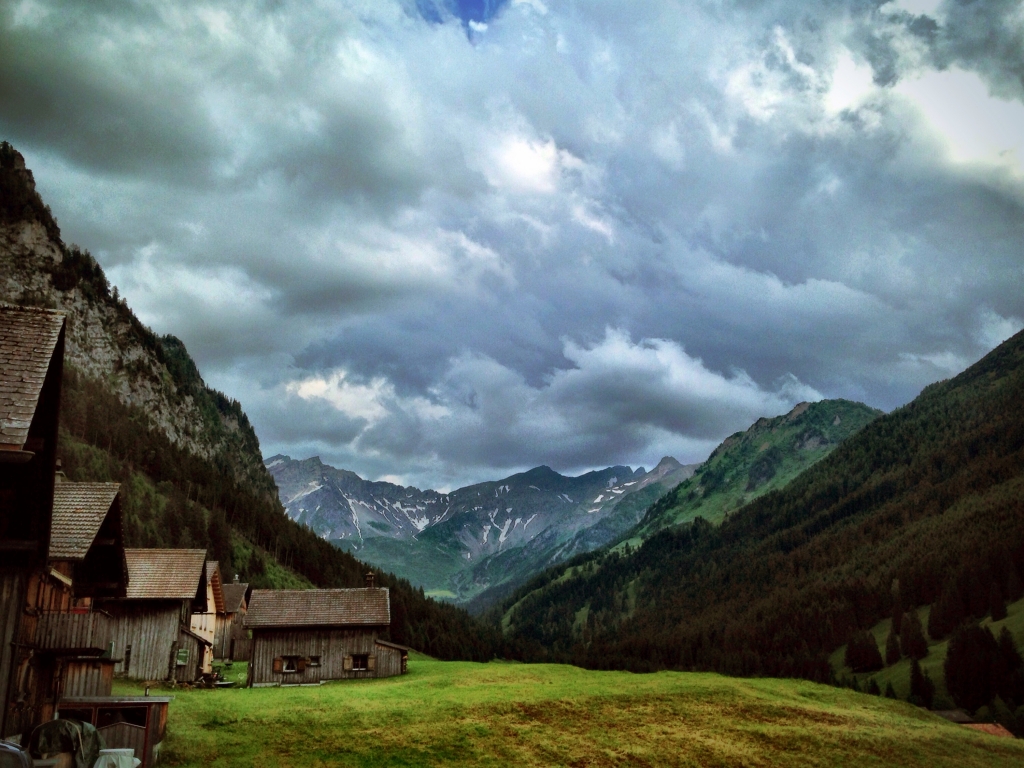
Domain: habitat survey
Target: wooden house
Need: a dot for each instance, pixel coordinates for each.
(231, 641)
(307, 636)
(153, 639)
(86, 562)
(31, 365)
(204, 623)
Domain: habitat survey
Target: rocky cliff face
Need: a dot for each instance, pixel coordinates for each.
(106, 341)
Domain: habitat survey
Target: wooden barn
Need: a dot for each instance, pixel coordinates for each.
(231, 641)
(86, 562)
(31, 365)
(307, 636)
(153, 639)
(204, 623)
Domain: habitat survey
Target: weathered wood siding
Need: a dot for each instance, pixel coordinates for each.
(389, 661)
(193, 667)
(229, 628)
(12, 598)
(151, 629)
(124, 735)
(88, 678)
(331, 645)
(74, 631)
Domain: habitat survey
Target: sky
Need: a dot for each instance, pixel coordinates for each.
(439, 242)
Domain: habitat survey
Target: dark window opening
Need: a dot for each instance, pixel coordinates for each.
(291, 664)
(113, 715)
(360, 661)
(314, 661)
(85, 715)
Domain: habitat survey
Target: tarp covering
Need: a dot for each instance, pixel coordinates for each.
(58, 736)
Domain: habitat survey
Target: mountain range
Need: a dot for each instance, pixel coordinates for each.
(472, 540)
(475, 545)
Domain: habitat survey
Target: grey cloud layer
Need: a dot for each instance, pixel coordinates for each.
(587, 233)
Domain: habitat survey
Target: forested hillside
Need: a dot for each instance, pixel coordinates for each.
(923, 507)
(135, 410)
(762, 459)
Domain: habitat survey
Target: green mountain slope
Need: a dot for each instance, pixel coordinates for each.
(749, 464)
(928, 500)
(135, 410)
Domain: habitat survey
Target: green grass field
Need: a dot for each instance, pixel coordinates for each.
(499, 714)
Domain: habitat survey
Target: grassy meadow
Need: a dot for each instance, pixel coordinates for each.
(497, 714)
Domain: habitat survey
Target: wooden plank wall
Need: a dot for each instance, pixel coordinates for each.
(331, 645)
(12, 596)
(88, 678)
(190, 671)
(74, 630)
(229, 627)
(389, 661)
(123, 735)
(151, 630)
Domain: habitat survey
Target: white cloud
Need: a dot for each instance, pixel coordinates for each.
(995, 329)
(851, 84)
(975, 126)
(377, 231)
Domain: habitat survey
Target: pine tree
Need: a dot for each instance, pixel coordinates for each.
(892, 649)
(972, 661)
(897, 606)
(873, 688)
(996, 603)
(912, 642)
(947, 613)
(922, 689)
(1014, 586)
(862, 653)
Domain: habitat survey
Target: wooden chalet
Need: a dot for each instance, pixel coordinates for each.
(231, 640)
(153, 638)
(74, 638)
(204, 623)
(307, 636)
(31, 366)
(86, 562)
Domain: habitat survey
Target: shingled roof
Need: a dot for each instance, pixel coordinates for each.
(79, 510)
(213, 580)
(318, 608)
(164, 574)
(28, 338)
(233, 596)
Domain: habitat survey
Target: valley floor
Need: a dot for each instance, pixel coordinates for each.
(453, 713)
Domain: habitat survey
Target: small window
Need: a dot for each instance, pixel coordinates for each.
(291, 664)
(360, 661)
(182, 658)
(314, 661)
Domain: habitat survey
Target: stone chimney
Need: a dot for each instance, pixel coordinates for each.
(370, 578)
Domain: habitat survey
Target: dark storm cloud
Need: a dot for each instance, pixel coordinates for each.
(445, 241)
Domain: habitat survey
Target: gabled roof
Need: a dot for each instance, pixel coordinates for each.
(79, 510)
(28, 338)
(164, 574)
(318, 608)
(213, 580)
(234, 594)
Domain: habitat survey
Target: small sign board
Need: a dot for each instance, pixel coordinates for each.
(182, 657)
